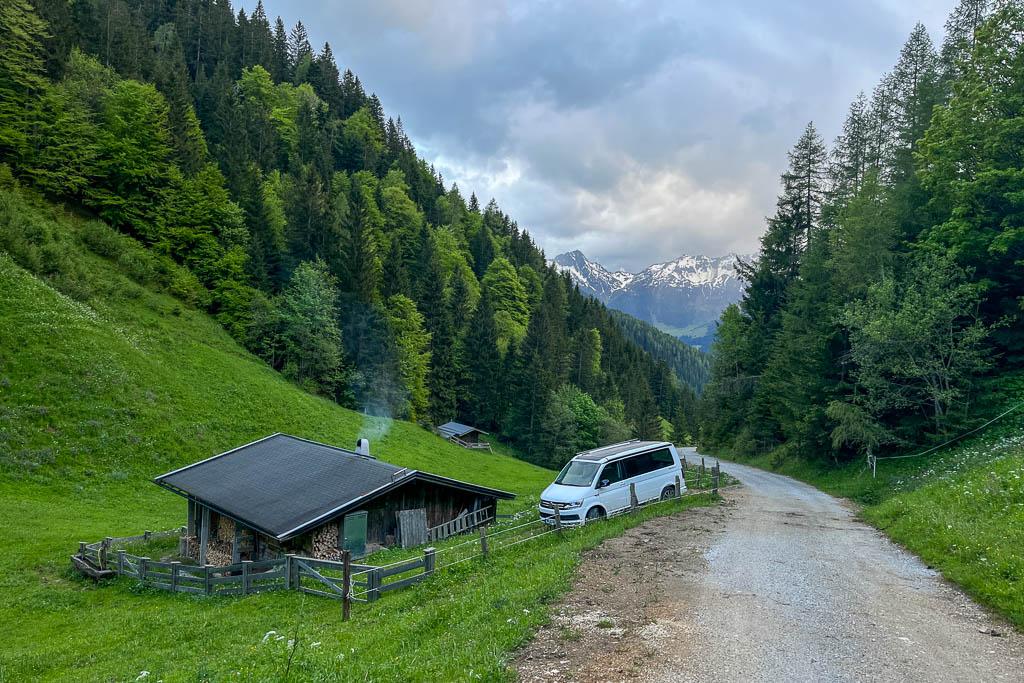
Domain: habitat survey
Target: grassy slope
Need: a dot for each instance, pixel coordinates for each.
(96, 399)
(961, 510)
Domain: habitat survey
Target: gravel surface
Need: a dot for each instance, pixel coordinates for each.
(780, 583)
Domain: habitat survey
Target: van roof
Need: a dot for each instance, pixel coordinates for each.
(605, 453)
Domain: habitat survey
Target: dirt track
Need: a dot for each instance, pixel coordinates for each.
(779, 583)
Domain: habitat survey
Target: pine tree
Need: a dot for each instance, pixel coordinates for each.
(282, 64)
(444, 370)
(395, 276)
(481, 402)
(647, 426)
(362, 264)
(959, 43)
(298, 45)
(916, 90)
(22, 34)
(542, 363)
(804, 182)
(850, 155)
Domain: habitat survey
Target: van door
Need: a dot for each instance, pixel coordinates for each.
(638, 472)
(615, 495)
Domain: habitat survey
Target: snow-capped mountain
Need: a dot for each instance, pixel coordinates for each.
(683, 297)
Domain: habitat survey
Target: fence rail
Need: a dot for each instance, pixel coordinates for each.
(343, 580)
(466, 522)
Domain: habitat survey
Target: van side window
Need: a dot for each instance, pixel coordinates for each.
(610, 473)
(636, 465)
(662, 458)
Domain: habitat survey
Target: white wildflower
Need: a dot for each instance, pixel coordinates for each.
(268, 634)
(142, 675)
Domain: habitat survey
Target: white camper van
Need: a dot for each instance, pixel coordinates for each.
(595, 483)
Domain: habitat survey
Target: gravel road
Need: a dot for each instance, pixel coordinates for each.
(780, 583)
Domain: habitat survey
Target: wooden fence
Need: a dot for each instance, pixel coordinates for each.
(471, 445)
(459, 525)
(325, 578)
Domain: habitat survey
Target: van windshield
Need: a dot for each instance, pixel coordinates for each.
(577, 473)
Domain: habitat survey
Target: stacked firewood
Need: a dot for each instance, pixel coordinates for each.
(325, 543)
(218, 553)
(226, 529)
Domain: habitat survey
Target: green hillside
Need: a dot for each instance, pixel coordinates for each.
(97, 397)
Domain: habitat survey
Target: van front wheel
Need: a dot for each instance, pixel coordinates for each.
(594, 514)
(668, 493)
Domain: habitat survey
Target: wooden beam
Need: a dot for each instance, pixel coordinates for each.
(204, 532)
(191, 517)
(235, 543)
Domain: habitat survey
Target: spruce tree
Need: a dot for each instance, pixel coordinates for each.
(21, 66)
(483, 369)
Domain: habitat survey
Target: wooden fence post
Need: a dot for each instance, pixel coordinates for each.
(104, 549)
(483, 540)
(204, 535)
(558, 522)
(245, 576)
(700, 475)
(143, 568)
(346, 573)
(289, 571)
(81, 548)
(209, 576)
(146, 536)
(633, 502)
(429, 561)
(174, 576)
(120, 562)
(679, 489)
(714, 481)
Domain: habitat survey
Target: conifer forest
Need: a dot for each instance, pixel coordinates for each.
(274, 192)
(885, 302)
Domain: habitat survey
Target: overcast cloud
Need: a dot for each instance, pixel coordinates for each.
(633, 131)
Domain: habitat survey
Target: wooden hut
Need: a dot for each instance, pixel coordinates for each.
(284, 494)
(464, 435)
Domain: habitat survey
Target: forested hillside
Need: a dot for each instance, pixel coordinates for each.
(302, 218)
(888, 288)
(689, 363)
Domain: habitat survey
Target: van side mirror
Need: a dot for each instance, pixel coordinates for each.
(604, 482)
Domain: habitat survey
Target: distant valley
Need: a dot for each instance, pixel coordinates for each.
(683, 297)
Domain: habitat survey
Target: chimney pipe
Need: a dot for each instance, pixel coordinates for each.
(363, 448)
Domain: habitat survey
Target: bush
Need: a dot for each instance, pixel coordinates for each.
(102, 239)
(36, 245)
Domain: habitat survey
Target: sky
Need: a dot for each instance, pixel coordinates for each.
(633, 131)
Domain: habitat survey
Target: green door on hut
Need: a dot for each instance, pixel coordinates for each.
(353, 533)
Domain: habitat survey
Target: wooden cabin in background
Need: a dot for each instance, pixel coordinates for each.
(464, 435)
(282, 494)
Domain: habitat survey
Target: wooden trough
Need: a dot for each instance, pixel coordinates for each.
(86, 566)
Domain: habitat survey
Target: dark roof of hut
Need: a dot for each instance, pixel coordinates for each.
(450, 429)
(283, 485)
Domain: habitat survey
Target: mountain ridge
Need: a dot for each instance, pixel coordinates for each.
(683, 297)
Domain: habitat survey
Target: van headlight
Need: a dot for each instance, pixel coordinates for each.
(576, 503)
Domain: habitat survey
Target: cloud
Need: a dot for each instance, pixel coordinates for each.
(635, 131)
